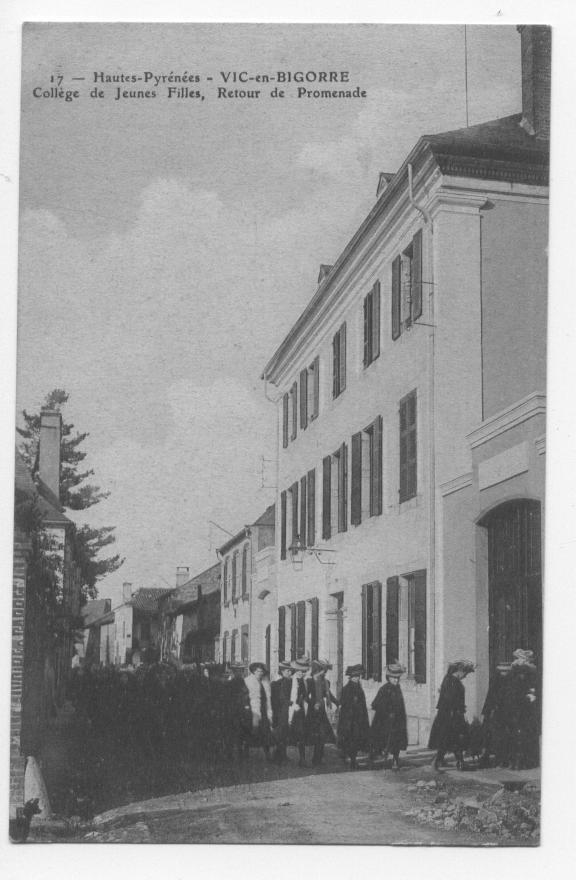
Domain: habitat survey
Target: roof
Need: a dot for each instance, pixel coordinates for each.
(204, 584)
(146, 598)
(496, 150)
(267, 518)
(95, 609)
(47, 503)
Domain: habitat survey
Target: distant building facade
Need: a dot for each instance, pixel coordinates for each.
(191, 617)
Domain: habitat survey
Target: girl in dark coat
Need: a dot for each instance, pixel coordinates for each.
(281, 690)
(494, 727)
(353, 726)
(389, 733)
(523, 711)
(318, 728)
(298, 709)
(449, 731)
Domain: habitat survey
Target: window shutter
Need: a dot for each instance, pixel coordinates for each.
(311, 523)
(303, 510)
(356, 481)
(336, 365)
(408, 448)
(326, 498)
(233, 646)
(293, 631)
(285, 421)
(377, 631)
(295, 523)
(300, 629)
(282, 525)
(365, 639)
(303, 399)
(417, 275)
(420, 627)
(392, 620)
(267, 643)
(281, 633)
(245, 570)
(294, 395)
(225, 584)
(376, 320)
(314, 629)
(244, 643)
(342, 358)
(316, 387)
(343, 489)
(396, 288)
(376, 468)
(234, 574)
(367, 329)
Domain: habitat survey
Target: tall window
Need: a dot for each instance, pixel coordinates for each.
(313, 385)
(294, 510)
(326, 497)
(285, 411)
(311, 508)
(372, 630)
(225, 580)
(281, 633)
(303, 509)
(372, 325)
(314, 628)
(339, 503)
(407, 286)
(293, 631)
(234, 574)
(300, 629)
(406, 623)
(294, 411)
(233, 646)
(339, 361)
(244, 643)
(245, 571)
(366, 467)
(408, 448)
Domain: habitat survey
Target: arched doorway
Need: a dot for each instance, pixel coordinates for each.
(514, 579)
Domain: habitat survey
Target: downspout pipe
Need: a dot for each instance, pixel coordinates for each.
(431, 441)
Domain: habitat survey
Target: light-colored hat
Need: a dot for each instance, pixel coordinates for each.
(285, 664)
(395, 670)
(522, 657)
(320, 666)
(464, 665)
(302, 664)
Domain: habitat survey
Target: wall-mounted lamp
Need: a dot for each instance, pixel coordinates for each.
(298, 549)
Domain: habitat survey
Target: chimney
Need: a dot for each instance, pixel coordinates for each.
(536, 72)
(182, 575)
(126, 591)
(49, 450)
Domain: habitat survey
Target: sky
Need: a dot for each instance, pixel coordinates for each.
(166, 247)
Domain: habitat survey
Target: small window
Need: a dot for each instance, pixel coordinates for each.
(372, 630)
(408, 448)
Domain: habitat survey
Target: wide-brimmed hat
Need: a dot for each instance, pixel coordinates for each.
(503, 667)
(523, 658)
(301, 664)
(258, 665)
(462, 665)
(395, 670)
(351, 671)
(285, 664)
(320, 666)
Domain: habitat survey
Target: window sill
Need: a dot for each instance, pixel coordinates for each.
(409, 504)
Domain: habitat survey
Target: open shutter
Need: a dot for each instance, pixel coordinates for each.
(392, 620)
(343, 489)
(234, 574)
(316, 388)
(377, 631)
(281, 634)
(336, 365)
(420, 626)
(225, 581)
(293, 631)
(285, 421)
(295, 523)
(282, 525)
(300, 629)
(294, 396)
(314, 629)
(303, 399)
(311, 522)
(396, 304)
(417, 275)
(245, 570)
(303, 510)
(367, 329)
(376, 320)
(342, 357)
(376, 469)
(365, 637)
(356, 481)
(326, 498)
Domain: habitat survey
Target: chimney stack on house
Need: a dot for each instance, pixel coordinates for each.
(49, 450)
(126, 591)
(536, 41)
(182, 575)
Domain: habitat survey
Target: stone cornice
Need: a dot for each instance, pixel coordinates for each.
(456, 484)
(530, 406)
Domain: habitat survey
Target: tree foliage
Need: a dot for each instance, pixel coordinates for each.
(77, 492)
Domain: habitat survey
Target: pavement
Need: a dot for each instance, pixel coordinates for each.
(331, 805)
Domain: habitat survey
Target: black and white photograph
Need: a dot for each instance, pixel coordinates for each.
(279, 433)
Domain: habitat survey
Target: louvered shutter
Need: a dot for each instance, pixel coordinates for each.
(336, 365)
(300, 629)
(285, 421)
(396, 301)
(376, 469)
(225, 584)
(326, 498)
(420, 626)
(342, 358)
(392, 620)
(281, 634)
(295, 523)
(356, 481)
(244, 643)
(316, 388)
(234, 574)
(376, 320)
(343, 489)
(367, 329)
(303, 399)
(377, 631)
(245, 570)
(365, 637)
(314, 629)
(311, 522)
(417, 275)
(282, 525)
(293, 631)
(294, 395)
(303, 510)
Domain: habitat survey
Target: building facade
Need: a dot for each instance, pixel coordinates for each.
(248, 593)
(410, 397)
(191, 617)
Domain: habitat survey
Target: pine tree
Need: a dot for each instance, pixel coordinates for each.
(75, 492)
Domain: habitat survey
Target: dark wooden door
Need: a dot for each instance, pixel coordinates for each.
(514, 580)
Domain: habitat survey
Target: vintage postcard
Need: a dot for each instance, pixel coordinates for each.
(280, 434)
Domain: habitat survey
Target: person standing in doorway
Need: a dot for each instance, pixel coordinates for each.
(389, 733)
(449, 731)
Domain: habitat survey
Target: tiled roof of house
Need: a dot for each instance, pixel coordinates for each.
(205, 583)
(95, 609)
(268, 518)
(146, 598)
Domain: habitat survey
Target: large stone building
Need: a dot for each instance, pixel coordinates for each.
(411, 416)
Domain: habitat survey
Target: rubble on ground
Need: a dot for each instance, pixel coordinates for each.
(509, 815)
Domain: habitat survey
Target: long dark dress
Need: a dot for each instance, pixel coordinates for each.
(449, 731)
(281, 690)
(353, 725)
(318, 727)
(494, 728)
(523, 716)
(297, 729)
(388, 732)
